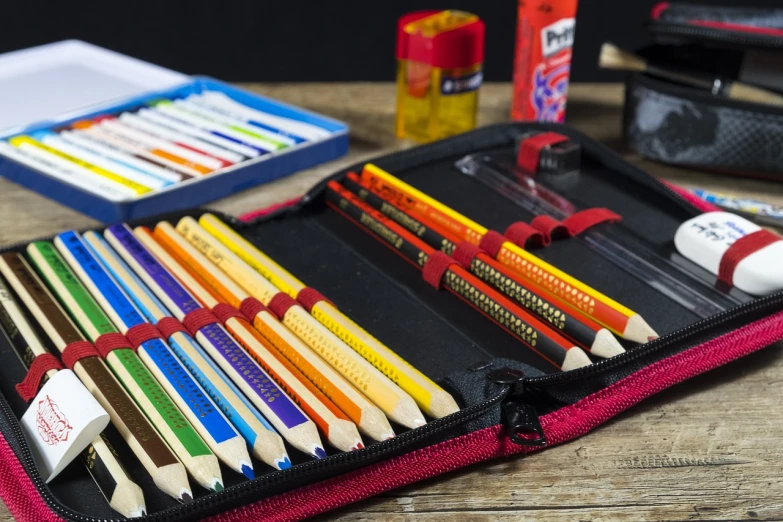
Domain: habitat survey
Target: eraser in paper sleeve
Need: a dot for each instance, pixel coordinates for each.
(706, 238)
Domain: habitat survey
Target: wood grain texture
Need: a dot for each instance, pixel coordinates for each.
(708, 449)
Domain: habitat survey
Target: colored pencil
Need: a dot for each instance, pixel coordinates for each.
(525, 327)
(266, 444)
(145, 442)
(338, 430)
(368, 417)
(577, 327)
(286, 416)
(194, 454)
(604, 310)
(204, 415)
(120, 491)
(395, 403)
(430, 397)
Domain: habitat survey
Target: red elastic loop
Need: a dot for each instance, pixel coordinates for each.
(530, 149)
(108, 342)
(280, 304)
(549, 228)
(742, 248)
(492, 242)
(464, 253)
(76, 351)
(197, 319)
(141, 333)
(35, 374)
(309, 297)
(168, 326)
(251, 307)
(435, 267)
(224, 312)
(520, 233)
(580, 221)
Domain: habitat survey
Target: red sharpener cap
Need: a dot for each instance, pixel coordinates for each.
(459, 47)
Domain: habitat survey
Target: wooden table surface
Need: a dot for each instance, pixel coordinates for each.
(708, 449)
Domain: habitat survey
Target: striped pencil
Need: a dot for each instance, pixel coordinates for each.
(266, 444)
(204, 416)
(395, 403)
(430, 397)
(577, 327)
(368, 417)
(145, 442)
(614, 316)
(339, 431)
(535, 334)
(103, 464)
(195, 455)
(289, 420)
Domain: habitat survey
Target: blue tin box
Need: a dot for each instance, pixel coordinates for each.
(57, 84)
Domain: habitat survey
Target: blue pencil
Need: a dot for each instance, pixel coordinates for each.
(198, 408)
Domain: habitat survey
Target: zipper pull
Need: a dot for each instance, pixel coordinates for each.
(520, 419)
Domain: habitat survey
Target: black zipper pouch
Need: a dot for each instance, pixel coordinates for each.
(702, 127)
(512, 400)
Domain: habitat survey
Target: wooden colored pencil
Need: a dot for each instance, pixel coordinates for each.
(194, 454)
(368, 417)
(284, 413)
(430, 397)
(120, 491)
(203, 414)
(265, 443)
(575, 326)
(604, 310)
(519, 323)
(166, 470)
(390, 398)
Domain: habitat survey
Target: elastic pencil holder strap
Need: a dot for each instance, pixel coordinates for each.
(224, 312)
(309, 297)
(529, 154)
(168, 326)
(549, 228)
(437, 265)
(76, 351)
(521, 233)
(197, 319)
(280, 304)
(35, 374)
(464, 254)
(141, 333)
(251, 307)
(579, 222)
(742, 248)
(492, 242)
(109, 342)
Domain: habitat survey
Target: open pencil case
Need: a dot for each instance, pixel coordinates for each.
(512, 401)
(689, 126)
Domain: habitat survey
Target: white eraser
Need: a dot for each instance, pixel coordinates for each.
(705, 238)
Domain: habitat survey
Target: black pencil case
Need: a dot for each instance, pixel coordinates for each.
(512, 401)
(692, 127)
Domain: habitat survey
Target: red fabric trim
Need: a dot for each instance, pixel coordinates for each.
(35, 374)
(580, 221)
(108, 342)
(255, 214)
(520, 233)
(197, 319)
(77, 351)
(549, 228)
(658, 10)
(437, 265)
(530, 149)
(492, 242)
(141, 333)
(251, 307)
(691, 198)
(224, 312)
(742, 248)
(168, 326)
(309, 297)
(742, 28)
(280, 304)
(464, 253)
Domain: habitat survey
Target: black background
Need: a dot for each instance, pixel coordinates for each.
(282, 40)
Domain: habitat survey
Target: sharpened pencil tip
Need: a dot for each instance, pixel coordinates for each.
(283, 463)
(419, 422)
(185, 497)
(217, 486)
(319, 452)
(138, 513)
(389, 436)
(357, 446)
(247, 471)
